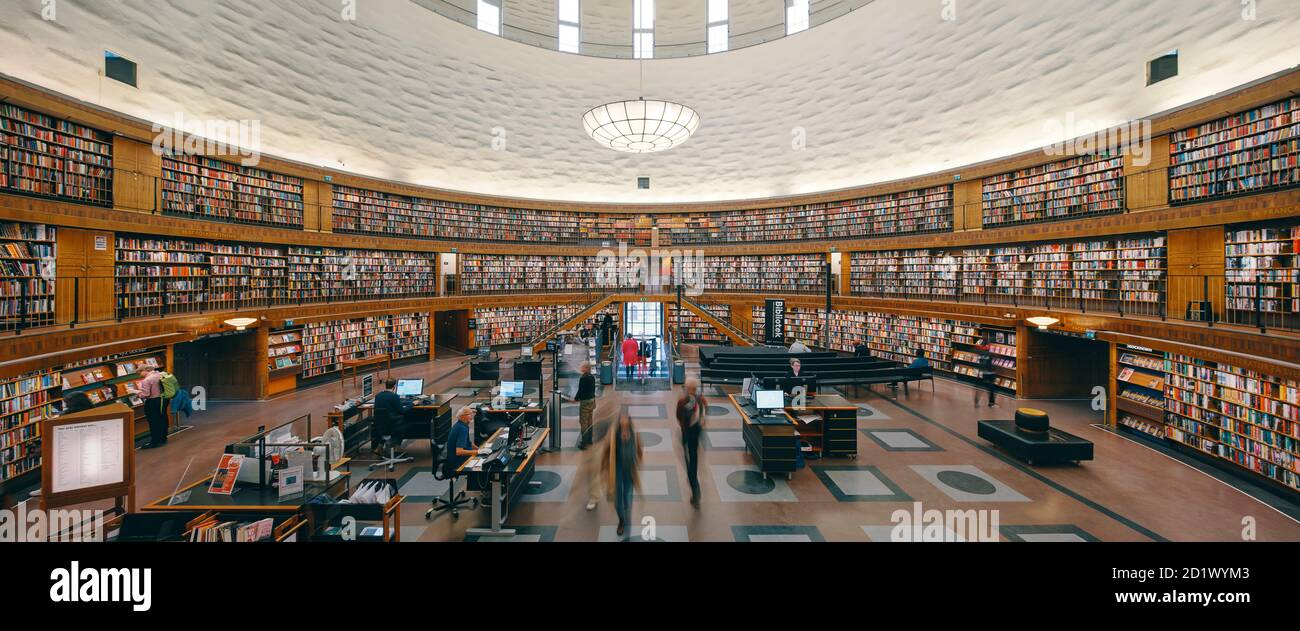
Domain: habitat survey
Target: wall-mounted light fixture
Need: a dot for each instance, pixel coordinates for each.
(1042, 322)
(241, 323)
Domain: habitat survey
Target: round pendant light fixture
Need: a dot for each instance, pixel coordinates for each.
(642, 125)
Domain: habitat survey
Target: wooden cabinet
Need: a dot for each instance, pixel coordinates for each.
(1195, 269)
(318, 206)
(137, 173)
(967, 206)
(85, 267)
(1146, 186)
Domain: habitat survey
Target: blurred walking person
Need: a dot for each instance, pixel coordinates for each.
(631, 350)
(691, 409)
(623, 466)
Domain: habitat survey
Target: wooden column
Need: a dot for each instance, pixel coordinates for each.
(137, 176)
(1112, 386)
(1196, 267)
(846, 274)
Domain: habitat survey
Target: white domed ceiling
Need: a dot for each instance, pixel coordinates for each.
(889, 90)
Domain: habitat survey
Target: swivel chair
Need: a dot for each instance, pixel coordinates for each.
(451, 501)
(391, 437)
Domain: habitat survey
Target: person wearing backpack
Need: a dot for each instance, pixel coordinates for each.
(151, 390)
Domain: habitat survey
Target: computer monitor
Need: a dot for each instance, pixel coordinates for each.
(512, 389)
(410, 387)
(769, 399)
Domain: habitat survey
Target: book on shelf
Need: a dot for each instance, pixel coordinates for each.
(326, 345)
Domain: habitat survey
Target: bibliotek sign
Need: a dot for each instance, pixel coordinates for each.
(774, 321)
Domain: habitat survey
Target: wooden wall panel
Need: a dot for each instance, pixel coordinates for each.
(967, 205)
(1196, 267)
(136, 176)
(1147, 185)
(318, 204)
(228, 366)
(85, 275)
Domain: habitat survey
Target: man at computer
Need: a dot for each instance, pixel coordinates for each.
(388, 412)
(459, 446)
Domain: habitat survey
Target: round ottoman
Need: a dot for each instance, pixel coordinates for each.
(1031, 421)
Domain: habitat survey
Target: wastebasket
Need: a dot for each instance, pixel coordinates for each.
(606, 373)
(679, 372)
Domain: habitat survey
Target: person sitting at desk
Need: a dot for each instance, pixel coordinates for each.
(388, 413)
(795, 369)
(459, 446)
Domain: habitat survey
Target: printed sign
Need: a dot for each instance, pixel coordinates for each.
(774, 321)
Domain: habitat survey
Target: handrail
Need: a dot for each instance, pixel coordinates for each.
(734, 331)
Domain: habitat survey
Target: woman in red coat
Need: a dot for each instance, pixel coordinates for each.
(631, 355)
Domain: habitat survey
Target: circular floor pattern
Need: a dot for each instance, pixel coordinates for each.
(750, 482)
(649, 439)
(718, 410)
(547, 481)
(967, 483)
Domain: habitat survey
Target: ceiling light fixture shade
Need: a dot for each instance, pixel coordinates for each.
(1042, 322)
(241, 323)
(641, 126)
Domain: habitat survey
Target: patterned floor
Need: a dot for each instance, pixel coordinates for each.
(918, 455)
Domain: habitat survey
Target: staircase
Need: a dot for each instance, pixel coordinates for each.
(538, 343)
(737, 337)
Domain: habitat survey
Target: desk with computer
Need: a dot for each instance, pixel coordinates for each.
(780, 424)
(502, 469)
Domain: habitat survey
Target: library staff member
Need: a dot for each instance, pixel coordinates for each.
(586, 398)
(150, 389)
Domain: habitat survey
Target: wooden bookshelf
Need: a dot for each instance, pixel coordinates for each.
(156, 276)
(694, 329)
(485, 273)
(1249, 152)
(363, 211)
(245, 275)
(793, 273)
(1094, 274)
(1140, 389)
(329, 274)
(24, 401)
(106, 380)
(283, 358)
(45, 156)
(326, 345)
(197, 186)
(800, 323)
(27, 255)
(895, 337)
(1263, 272)
(1238, 415)
(1002, 346)
(910, 212)
(500, 326)
(1080, 186)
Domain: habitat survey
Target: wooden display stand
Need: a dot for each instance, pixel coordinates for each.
(122, 491)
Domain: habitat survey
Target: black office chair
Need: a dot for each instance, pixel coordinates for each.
(451, 501)
(390, 431)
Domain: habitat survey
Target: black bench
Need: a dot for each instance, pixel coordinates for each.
(1052, 445)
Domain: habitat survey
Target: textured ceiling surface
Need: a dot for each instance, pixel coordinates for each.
(887, 91)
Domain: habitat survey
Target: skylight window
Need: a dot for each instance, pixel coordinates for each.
(796, 16)
(570, 39)
(489, 16)
(643, 29)
(718, 26)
